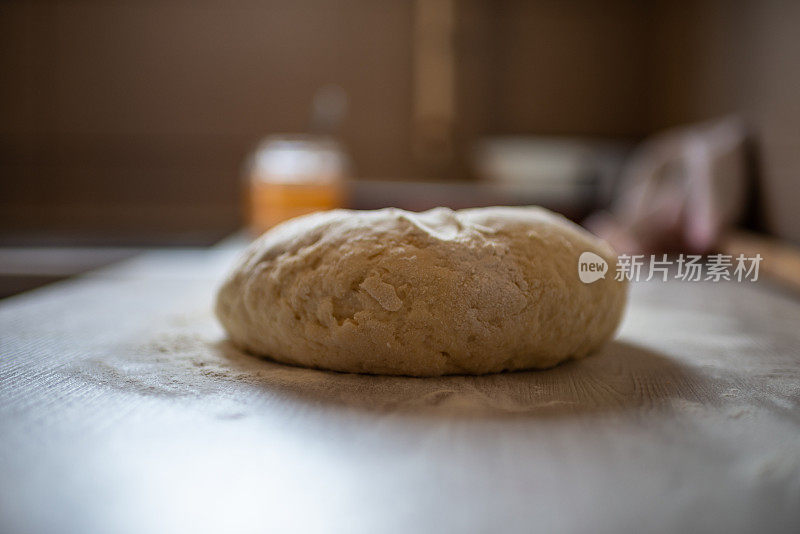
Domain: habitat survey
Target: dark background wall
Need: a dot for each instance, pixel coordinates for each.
(131, 119)
(717, 57)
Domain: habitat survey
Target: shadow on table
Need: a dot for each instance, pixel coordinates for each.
(621, 376)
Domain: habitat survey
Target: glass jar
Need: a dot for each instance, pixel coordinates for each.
(294, 175)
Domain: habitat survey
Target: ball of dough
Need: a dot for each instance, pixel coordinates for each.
(423, 294)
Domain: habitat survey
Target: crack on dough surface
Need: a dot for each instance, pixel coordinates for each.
(384, 293)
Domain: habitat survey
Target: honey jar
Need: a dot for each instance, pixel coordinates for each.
(289, 176)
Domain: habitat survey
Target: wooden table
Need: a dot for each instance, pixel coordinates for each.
(122, 409)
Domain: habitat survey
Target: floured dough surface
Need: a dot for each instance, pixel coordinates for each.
(440, 292)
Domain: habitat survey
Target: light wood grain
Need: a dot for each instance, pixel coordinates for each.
(123, 409)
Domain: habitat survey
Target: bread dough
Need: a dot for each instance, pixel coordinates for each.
(424, 294)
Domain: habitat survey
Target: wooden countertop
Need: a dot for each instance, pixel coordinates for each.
(122, 409)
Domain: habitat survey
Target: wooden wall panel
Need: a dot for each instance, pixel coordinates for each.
(133, 117)
(112, 106)
(569, 67)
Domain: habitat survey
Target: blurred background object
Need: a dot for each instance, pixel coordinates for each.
(571, 175)
(291, 176)
(132, 123)
(680, 191)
